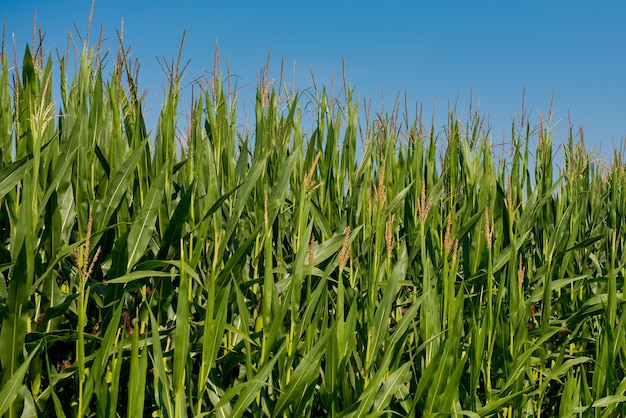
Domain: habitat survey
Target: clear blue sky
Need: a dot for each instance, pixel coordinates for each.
(435, 50)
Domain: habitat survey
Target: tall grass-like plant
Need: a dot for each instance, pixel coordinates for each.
(371, 265)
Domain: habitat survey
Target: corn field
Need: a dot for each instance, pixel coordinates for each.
(367, 266)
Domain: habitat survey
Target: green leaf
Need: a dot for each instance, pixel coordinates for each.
(172, 234)
(119, 184)
(163, 397)
(13, 173)
(609, 401)
(145, 223)
(138, 374)
(391, 387)
(252, 388)
(304, 375)
(212, 337)
(13, 385)
(181, 340)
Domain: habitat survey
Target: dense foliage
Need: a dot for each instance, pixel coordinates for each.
(371, 265)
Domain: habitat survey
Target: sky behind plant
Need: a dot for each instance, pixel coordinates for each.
(443, 52)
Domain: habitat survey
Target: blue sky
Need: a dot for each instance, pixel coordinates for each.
(435, 50)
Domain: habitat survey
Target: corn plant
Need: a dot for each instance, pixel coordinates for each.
(371, 265)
